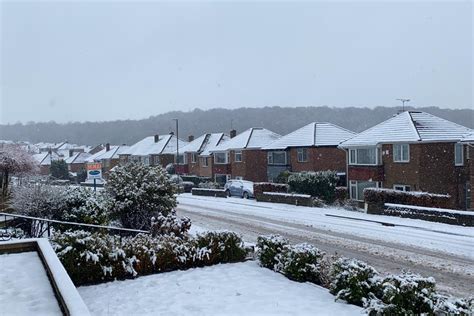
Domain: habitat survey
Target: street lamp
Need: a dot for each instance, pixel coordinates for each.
(403, 103)
(177, 144)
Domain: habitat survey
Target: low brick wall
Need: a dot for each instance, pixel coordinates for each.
(446, 216)
(209, 192)
(285, 198)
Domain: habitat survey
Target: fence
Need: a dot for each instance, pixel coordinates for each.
(33, 227)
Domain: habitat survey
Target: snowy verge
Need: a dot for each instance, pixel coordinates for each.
(228, 289)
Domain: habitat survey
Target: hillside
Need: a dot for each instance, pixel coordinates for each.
(278, 119)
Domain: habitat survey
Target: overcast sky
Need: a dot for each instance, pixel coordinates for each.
(80, 61)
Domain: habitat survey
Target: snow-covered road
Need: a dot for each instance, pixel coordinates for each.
(440, 250)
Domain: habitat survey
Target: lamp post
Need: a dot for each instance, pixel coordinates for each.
(403, 103)
(177, 144)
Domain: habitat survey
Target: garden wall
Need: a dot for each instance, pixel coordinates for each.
(209, 192)
(285, 198)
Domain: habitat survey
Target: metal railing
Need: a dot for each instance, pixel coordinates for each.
(33, 227)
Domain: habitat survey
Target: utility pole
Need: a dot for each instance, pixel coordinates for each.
(177, 144)
(403, 103)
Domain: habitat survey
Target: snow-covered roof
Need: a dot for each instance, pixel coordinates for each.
(408, 127)
(112, 153)
(468, 138)
(78, 157)
(44, 159)
(313, 134)
(253, 138)
(147, 146)
(213, 142)
(203, 143)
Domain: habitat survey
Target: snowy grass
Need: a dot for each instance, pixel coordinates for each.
(229, 289)
(25, 287)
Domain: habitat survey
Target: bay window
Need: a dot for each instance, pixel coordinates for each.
(221, 158)
(365, 156)
(276, 157)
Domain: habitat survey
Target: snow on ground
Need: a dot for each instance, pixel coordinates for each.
(227, 289)
(452, 239)
(25, 287)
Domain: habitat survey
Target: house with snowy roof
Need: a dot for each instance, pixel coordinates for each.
(468, 141)
(44, 161)
(314, 147)
(76, 161)
(198, 159)
(241, 156)
(412, 151)
(109, 157)
(155, 150)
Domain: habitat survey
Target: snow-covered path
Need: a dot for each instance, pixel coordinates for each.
(440, 250)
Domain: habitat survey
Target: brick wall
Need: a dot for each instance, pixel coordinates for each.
(319, 159)
(253, 166)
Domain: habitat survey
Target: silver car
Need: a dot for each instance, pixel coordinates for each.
(241, 188)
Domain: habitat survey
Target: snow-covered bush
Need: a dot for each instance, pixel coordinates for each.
(83, 205)
(91, 258)
(300, 263)
(381, 196)
(170, 225)
(42, 201)
(208, 185)
(140, 192)
(268, 247)
(354, 281)
(220, 247)
(321, 184)
(405, 294)
(448, 305)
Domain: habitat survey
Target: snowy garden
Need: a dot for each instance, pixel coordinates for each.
(153, 264)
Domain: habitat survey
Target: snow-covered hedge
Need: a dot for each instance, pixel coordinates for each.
(209, 192)
(286, 198)
(91, 258)
(379, 196)
(260, 187)
(170, 225)
(321, 184)
(358, 283)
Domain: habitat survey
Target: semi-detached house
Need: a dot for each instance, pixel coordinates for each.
(412, 151)
(154, 150)
(198, 158)
(242, 157)
(314, 147)
(468, 141)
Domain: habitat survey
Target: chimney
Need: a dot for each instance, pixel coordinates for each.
(190, 138)
(171, 133)
(157, 138)
(233, 133)
(71, 152)
(107, 147)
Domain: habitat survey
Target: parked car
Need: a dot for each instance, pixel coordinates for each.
(241, 188)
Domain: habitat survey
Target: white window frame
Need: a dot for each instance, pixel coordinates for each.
(270, 158)
(221, 163)
(456, 162)
(304, 154)
(403, 148)
(353, 154)
(353, 184)
(238, 153)
(194, 157)
(205, 162)
(402, 187)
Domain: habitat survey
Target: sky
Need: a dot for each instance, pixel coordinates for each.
(98, 61)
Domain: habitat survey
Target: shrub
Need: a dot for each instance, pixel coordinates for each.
(353, 281)
(300, 263)
(268, 248)
(91, 258)
(83, 205)
(321, 184)
(170, 225)
(139, 192)
(405, 294)
(283, 177)
(381, 196)
(447, 305)
(208, 185)
(220, 247)
(59, 170)
(341, 194)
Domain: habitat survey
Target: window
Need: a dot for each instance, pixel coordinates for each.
(238, 156)
(401, 153)
(302, 154)
(194, 157)
(401, 187)
(205, 162)
(146, 161)
(364, 156)
(157, 160)
(276, 158)
(458, 154)
(181, 159)
(220, 158)
(356, 188)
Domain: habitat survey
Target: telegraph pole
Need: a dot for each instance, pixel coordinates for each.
(177, 144)
(403, 103)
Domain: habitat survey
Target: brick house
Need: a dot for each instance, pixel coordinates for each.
(109, 157)
(242, 157)
(198, 159)
(468, 140)
(44, 160)
(153, 150)
(76, 161)
(412, 151)
(313, 147)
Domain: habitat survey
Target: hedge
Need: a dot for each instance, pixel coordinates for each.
(286, 198)
(321, 184)
(260, 187)
(209, 192)
(378, 196)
